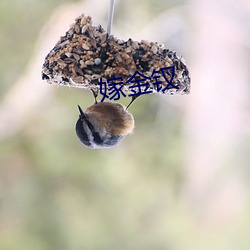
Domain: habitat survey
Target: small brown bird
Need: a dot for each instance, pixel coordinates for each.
(104, 125)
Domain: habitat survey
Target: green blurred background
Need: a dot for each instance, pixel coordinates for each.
(180, 182)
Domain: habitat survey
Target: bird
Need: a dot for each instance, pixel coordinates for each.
(104, 124)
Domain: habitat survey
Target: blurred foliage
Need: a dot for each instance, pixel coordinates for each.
(20, 24)
(56, 194)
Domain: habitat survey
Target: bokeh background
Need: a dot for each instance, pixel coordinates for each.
(180, 182)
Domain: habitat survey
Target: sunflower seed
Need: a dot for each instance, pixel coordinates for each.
(85, 46)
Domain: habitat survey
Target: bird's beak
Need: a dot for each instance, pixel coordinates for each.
(82, 115)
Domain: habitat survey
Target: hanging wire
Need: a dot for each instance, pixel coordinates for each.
(110, 15)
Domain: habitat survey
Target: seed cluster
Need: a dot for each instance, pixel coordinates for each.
(87, 53)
